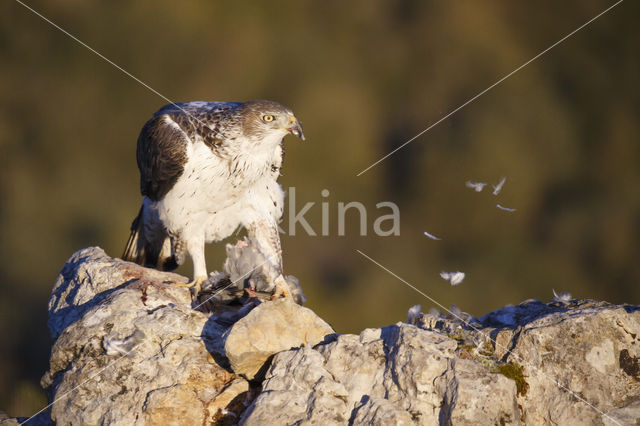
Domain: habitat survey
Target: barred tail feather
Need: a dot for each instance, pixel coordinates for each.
(134, 250)
(149, 244)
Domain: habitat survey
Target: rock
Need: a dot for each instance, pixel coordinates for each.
(42, 418)
(299, 387)
(578, 346)
(131, 349)
(270, 328)
(90, 276)
(627, 415)
(535, 363)
(399, 374)
(5, 420)
(380, 412)
(473, 396)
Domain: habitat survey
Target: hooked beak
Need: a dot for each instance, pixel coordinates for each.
(295, 128)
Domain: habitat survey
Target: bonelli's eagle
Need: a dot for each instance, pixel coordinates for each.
(207, 168)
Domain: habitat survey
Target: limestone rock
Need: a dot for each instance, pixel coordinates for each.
(90, 276)
(399, 374)
(5, 420)
(474, 396)
(298, 387)
(131, 349)
(380, 412)
(564, 362)
(579, 346)
(43, 418)
(270, 328)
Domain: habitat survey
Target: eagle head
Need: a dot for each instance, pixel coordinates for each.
(263, 119)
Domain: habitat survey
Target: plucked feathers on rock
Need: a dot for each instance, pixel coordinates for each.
(245, 274)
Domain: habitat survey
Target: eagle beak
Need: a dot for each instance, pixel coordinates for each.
(295, 128)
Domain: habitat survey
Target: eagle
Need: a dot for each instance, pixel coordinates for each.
(207, 169)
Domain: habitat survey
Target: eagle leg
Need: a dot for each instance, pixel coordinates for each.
(266, 235)
(281, 289)
(196, 283)
(195, 248)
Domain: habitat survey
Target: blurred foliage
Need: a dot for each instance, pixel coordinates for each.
(364, 77)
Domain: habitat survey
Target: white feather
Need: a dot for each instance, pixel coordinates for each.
(476, 186)
(454, 278)
(498, 187)
(563, 297)
(506, 209)
(413, 315)
(433, 237)
(122, 346)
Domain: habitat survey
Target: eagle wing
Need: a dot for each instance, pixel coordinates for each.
(161, 156)
(196, 109)
(162, 142)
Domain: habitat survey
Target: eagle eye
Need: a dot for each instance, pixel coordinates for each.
(268, 118)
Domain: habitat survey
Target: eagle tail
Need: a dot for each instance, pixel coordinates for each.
(154, 250)
(134, 251)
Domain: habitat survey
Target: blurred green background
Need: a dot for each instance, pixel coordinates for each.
(363, 77)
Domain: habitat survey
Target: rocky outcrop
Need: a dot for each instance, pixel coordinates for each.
(399, 374)
(129, 348)
(536, 363)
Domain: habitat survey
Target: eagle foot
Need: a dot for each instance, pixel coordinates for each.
(281, 289)
(196, 283)
(251, 290)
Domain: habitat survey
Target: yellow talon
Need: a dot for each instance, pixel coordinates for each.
(281, 289)
(197, 283)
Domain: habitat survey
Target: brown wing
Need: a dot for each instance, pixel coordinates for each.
(161, 156)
